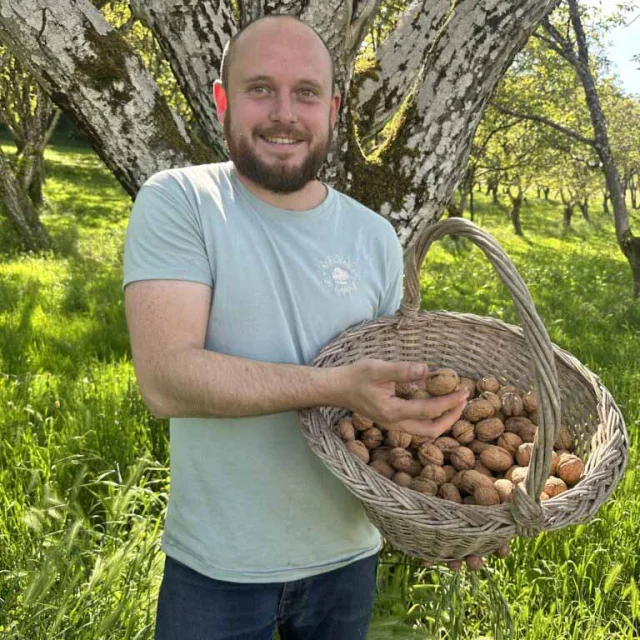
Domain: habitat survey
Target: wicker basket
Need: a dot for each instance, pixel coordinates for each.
(568, 395)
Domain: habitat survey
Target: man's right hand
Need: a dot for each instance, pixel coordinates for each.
(368, 387)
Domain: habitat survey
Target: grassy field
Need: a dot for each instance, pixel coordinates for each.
(83, 466)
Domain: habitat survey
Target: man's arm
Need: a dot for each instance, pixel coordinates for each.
(178, 377)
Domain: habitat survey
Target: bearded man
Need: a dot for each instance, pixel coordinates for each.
(236, 274)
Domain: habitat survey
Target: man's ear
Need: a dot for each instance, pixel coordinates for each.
(335, 108)
(220, 98)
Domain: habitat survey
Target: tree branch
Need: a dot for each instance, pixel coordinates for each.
(546, 121)
(92, 74)
(192, 37)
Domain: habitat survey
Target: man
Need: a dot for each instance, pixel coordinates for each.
(236, 274)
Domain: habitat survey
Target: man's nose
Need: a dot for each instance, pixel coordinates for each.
(283, 108)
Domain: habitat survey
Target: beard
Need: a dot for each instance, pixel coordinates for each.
(276, 177)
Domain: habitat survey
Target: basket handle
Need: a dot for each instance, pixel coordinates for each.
(526, 508)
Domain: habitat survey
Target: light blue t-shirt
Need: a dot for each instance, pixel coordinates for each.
(249, 500)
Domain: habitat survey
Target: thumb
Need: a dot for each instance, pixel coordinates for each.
(409, 371)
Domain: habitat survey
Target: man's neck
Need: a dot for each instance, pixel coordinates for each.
(309, 197)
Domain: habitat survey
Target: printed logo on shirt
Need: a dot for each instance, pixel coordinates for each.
(340, 274)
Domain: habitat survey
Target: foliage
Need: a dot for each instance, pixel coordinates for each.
(83, 466)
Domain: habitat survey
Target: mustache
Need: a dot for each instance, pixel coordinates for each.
(283, 133)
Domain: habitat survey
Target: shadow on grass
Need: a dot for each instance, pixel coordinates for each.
(15, 338)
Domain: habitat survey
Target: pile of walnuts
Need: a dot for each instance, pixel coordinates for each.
(480, 459)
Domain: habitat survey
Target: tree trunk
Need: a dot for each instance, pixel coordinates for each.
(568, 214)
(20, 210)
(627, 242)
(546, 190)
(605, 202)
(516, 206)
(584, 208)
(471, 205)
(455, 51)
(633, 184)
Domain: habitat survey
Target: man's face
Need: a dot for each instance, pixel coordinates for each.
(278, 113)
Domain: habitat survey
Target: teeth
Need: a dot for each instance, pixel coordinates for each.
(280, 140)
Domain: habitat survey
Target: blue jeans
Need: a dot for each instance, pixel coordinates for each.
(336, 605)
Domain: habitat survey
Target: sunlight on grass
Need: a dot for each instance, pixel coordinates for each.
(83, 465)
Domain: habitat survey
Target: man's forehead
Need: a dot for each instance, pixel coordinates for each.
(272, 38)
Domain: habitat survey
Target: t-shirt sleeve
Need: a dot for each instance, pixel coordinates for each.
(164, 237)
(392, 298)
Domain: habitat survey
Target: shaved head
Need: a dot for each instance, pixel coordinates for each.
(236, 42)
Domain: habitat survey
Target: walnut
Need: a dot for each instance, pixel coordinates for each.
(447, 491)
(381, 453)
(517, 474)
(345, 429)
(478, 466)
(493, 399)
(470, 385)
(530, 401)
(450, 471)
(478, 409)
(462, 458)
(555, 458)
(442, 382)
(400, 459)
(522, 426)
(512, 404)
(487, 383)
(508, 388)
(510, 442)
(418, 441)
(463, 432)
(360, 422)
(429, 453)
(570, 468)
(435, 473)
(446, 444)
(383, 468)
(358, 449)
(372, 438)
(398, 439)
(402, 479)
(489, 429)
(504, 488)
(565, 439)
(523, 454)
(477, 446)
(496, 459)
(486, 496)
(405, 389)
(415, 468)
(424, 485)
(470, 480)
(554, 486)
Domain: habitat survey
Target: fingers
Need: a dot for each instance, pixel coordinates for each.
(474, 563)
(429, 408)
(428, 427)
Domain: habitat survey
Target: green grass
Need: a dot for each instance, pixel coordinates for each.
(83, 466)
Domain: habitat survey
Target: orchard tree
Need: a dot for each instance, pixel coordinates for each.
(565, 35)
(30, 117)
(425, 87)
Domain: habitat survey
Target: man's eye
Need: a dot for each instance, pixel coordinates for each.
(259, 89)
(307, 93)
